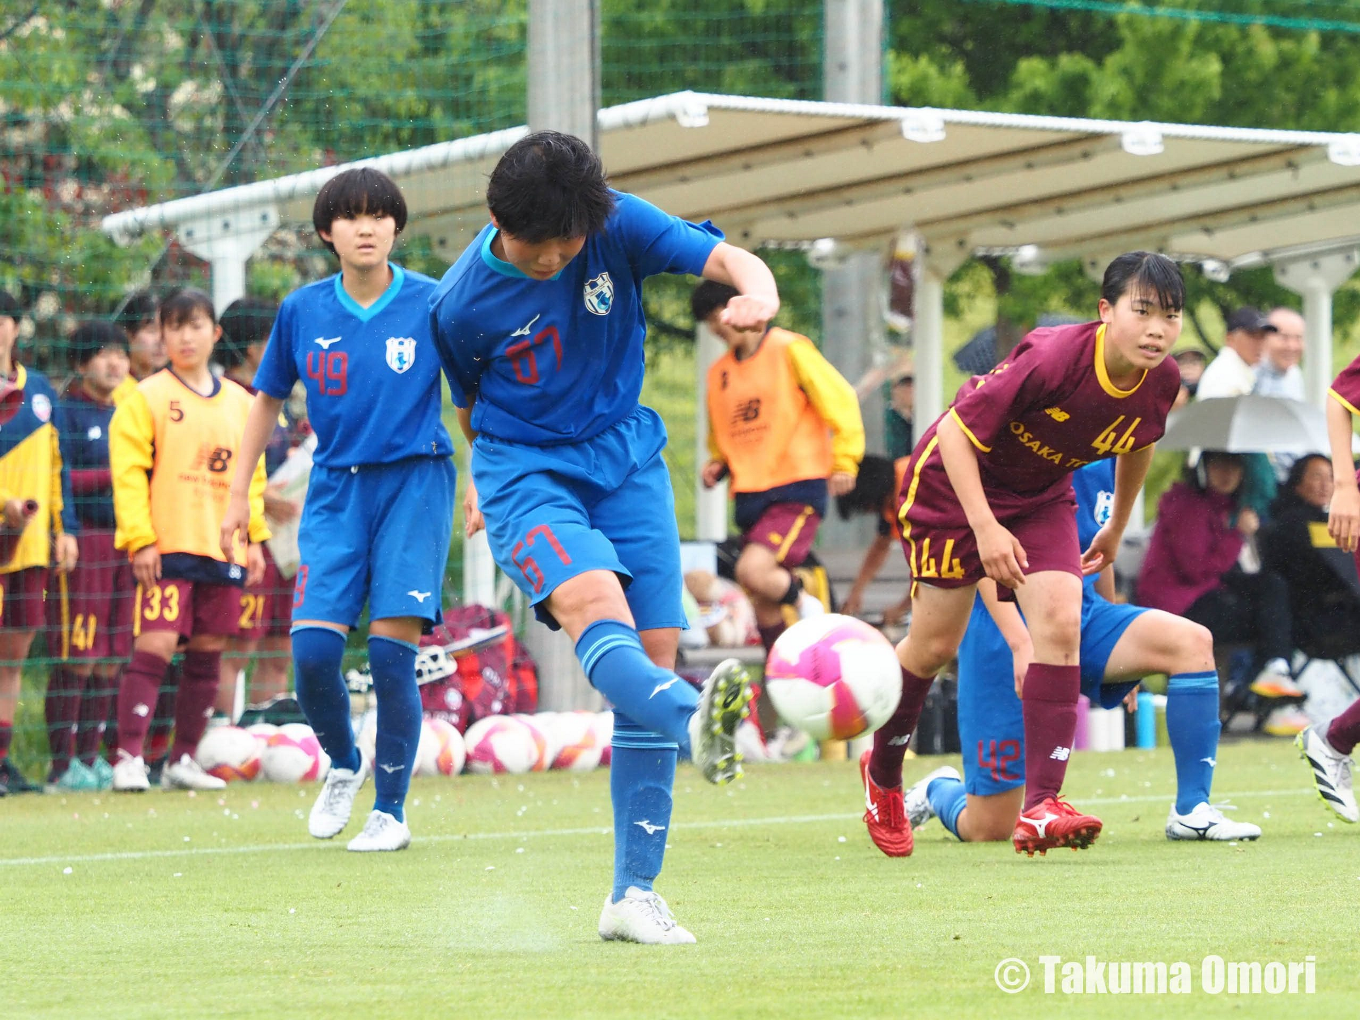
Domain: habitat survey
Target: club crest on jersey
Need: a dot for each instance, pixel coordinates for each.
(600, 294)
(42, 407)
(401, 353)
(1104, 507)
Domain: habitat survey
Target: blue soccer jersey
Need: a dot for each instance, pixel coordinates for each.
(1094, 488)
(560, 360)
(372, 378)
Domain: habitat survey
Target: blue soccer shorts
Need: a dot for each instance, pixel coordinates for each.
(376, 532)
(605, 503)
(991, 726)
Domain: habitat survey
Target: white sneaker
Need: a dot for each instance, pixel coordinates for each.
(129, 775)
(641, 916)
(724, 702)
(330, 814)
(1276, 681)
(1207, 822)
(915, 802)
(751, 743)
(809, 605)
(1331, 773)
(187, 774)
(381, 832)
(1285, 722)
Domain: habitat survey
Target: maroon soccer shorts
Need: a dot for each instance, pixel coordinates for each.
(89, 611)
(21, 599)
(787, 529)
(267, 608)
(187, 608)
(945, 555)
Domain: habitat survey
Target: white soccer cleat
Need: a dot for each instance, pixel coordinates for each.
(1331, 773)
(641, 916)
(187, 774)
(724, 702)
(330, 814)
(917, 804)
(1207, 822)
(129, 775)
(381, 832)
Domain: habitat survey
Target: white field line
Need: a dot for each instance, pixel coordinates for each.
(590, 830)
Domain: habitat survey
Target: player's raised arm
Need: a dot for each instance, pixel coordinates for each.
(264, 413)
(757, 300)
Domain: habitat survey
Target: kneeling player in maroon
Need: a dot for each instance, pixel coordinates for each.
(989, 493)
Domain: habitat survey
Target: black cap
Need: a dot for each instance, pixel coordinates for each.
(1250, 320)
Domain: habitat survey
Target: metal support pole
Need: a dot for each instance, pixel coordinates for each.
(564, 66)
(851, 321)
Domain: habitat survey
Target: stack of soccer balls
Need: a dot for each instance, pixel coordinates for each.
(498, 743)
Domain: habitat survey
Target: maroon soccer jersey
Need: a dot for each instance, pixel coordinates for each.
(1346, 387)
(1043, 412)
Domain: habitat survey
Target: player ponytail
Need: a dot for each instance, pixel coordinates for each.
(1145, 273)
(547, 186)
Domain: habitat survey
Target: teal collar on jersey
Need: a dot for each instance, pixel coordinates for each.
(359, 311)
(503, 267)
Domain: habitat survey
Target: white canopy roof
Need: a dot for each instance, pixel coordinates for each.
(768, 170)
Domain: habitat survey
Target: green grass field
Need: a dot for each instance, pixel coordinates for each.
(171, 905)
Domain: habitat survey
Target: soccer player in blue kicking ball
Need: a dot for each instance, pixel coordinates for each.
(379, 508)
(540, 327)
(1119, 645)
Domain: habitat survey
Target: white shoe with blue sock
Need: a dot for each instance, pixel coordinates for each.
(1206, 822)
(641, 916)
(916, 801)
(330, 814)
(381, 832)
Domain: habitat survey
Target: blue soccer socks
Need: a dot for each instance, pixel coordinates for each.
(947, 798)
(393, 664)
(641, 775)
(1192, 726)
(322, 694)
(656, 699)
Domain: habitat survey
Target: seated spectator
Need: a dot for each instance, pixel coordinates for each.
(1324, 608)
(1191, 364)
(725, 611)
(876, 492)
(1194, 568)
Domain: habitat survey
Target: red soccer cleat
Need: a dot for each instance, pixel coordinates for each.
(886, 815)
(1054, 823)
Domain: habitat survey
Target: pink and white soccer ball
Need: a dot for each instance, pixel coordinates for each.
(294, 755)
(834, 677)
(500, 743)
(441, 751)
(229, 753)
(541, 730)
(579, 747)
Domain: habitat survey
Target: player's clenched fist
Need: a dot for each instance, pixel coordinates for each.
(237, 518)
(750, 312)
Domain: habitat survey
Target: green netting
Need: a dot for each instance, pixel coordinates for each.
(125, 103)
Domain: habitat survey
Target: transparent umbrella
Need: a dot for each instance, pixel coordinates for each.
(1249, 424)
